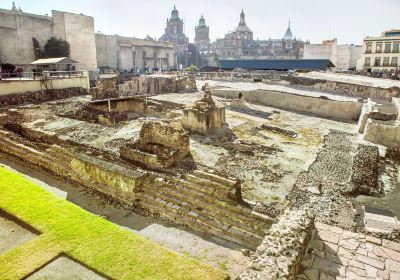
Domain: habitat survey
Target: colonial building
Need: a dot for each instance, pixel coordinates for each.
(240, 44)
(342, 56)
(128, 54)
(202, 32)
(23, 35)
(174, 33)
(382, 53)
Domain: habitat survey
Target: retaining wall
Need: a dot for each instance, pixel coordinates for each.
(24, 86)
(39, 96)
(351, 89)
(322, 107)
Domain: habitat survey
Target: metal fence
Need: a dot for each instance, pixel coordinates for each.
(45, 75)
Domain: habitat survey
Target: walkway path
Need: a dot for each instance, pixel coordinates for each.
(335, 253)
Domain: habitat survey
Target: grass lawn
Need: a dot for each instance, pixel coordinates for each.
(87, 238)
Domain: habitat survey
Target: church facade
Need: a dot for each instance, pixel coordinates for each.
(240, 44)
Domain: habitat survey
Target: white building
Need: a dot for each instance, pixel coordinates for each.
(22, 34)
(342, 56)
(382, 53)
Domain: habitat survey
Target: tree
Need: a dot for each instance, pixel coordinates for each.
(56, 48)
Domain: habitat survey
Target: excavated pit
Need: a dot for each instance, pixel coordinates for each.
(128, 146)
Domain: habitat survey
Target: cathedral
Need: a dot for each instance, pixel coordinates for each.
(238, 44)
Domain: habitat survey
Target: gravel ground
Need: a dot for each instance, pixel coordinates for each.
(323, 187)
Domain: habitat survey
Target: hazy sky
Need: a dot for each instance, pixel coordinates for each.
(348, 20)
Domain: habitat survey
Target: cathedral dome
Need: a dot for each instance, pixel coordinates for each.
(242, 30)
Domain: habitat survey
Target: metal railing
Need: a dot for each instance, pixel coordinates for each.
(45, 75)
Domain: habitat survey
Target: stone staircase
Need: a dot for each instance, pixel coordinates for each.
(205, 203)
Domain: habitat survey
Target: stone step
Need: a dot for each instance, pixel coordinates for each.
(208, 183)
(215, 178)
(214, 206)
(177, 198)
(198, 222)
(244, 213)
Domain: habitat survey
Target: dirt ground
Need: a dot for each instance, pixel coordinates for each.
(63, 268)
(12, 235)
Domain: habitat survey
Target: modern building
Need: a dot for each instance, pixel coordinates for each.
(127, 54)
(343, 57)
(382, 53)
(22, 35)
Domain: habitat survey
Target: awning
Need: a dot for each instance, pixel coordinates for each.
(54, 61)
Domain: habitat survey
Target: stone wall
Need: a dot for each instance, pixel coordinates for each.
(205, 203)
(39, 96)
(319, 106)
(282, 250)
(268, 76)
(350, 89)
(365, 170)
(159, 146)
(127, 86)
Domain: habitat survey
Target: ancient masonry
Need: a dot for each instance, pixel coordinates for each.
(205, 116)
(131, 141)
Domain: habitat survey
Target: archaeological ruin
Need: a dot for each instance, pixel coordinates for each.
(275, 175)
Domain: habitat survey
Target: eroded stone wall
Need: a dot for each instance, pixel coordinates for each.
(281, 252)
(350, 89)
(39, 96)
(152, 85)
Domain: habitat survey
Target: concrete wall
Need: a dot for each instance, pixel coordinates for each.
(78, 31)
(342, 56)
(125, 53)
(16, 32)
(322, 107)
(23, 86)
(18, 28)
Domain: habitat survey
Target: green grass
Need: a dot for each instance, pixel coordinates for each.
(93, 241)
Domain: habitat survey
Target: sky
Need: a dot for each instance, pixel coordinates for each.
(347, 20)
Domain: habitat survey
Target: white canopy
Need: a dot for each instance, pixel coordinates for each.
(54, 61)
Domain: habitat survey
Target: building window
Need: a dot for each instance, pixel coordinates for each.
(396, 47)
(386, 61)
(387, 47)
(367, 61)
(394, 62)
(369, 48)
(377, 61)
(378, 47)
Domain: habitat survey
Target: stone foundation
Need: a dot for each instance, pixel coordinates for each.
(281, 252)
(350, 89)
(205, 116)
(159, 146)
(151, 85)
(39, 96)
